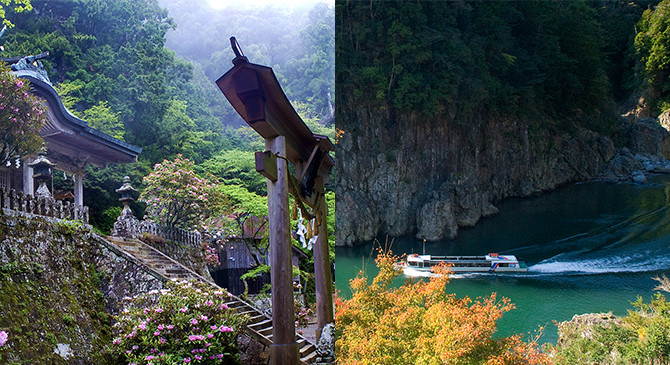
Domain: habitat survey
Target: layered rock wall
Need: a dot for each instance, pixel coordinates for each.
(403, 174)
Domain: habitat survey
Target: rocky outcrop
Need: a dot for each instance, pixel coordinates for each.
(402, 174)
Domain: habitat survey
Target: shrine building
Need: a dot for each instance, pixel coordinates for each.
(71, 144)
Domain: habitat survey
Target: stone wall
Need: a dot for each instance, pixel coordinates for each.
(59, 283)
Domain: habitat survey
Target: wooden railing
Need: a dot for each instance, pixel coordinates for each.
(48, 207)
(183, 236)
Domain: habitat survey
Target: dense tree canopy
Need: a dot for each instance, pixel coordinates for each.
(111, 67)
(559, 60)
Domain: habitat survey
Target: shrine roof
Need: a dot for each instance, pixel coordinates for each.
(70, 140)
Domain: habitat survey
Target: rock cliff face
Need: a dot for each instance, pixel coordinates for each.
(401, 174)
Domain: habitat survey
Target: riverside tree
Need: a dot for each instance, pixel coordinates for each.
(421, 323)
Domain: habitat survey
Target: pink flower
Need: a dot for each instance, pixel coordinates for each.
(194, 321)
(142, 326)
(158, 310)
(225, 329)
(184, 310)
(3, 338)
(209, 335)
(187, 359)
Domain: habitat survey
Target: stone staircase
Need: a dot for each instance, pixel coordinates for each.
(165, 268)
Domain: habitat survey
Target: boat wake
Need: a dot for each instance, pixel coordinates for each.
(616, 264)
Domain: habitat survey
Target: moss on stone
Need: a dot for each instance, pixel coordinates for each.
(50, 294)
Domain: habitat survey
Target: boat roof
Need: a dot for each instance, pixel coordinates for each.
(489, 257)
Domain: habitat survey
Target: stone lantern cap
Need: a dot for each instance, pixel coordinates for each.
(126, 190)
(42, 166)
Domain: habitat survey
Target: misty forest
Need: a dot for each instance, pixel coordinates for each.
(142, 72)
(112, 67)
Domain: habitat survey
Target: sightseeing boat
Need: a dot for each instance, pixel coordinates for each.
(492, 262)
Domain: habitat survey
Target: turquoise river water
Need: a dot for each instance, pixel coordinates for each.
(590, 247)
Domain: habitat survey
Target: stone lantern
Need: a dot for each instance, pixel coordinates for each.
(42, 173)
(126, 224)
(127, 193)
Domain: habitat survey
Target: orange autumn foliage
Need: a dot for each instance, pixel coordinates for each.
(420, 323)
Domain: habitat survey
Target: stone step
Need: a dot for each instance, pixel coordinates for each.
(310, 358)
(258, 323)
(306, 350)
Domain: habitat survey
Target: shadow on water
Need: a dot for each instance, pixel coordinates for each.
(590, 247)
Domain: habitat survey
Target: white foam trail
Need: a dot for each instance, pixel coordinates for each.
(601, 266)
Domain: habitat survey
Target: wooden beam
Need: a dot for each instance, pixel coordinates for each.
(266, 165)
(322, 276)
(284, 350)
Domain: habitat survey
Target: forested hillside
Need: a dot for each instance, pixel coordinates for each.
(110, 63)
(448, 108)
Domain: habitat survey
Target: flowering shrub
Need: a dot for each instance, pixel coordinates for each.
(421, 323)
(22, 115)
(211, 256)
(302, 313)
(177, 197)
(187, 323)
(3, 340)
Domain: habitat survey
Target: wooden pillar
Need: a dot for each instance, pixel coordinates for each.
(322, 276)
(284, 349)
(79, 189)
(28, 183)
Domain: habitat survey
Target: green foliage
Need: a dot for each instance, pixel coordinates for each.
(22, 115)
(187, 322)
(101, 117)
(18, 6)
(653, 45)
(473, 60)
(297, 42)
(641, 337)
(69, 227)
(236, 167)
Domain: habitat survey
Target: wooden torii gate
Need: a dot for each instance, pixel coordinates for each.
(255, 93)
